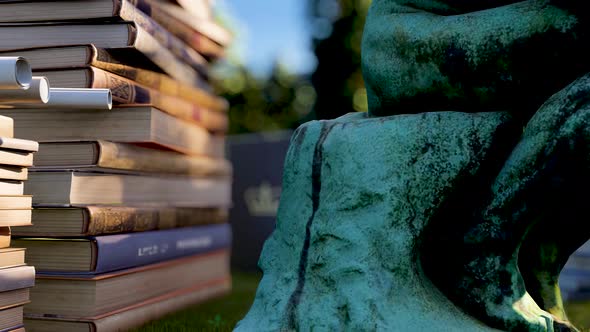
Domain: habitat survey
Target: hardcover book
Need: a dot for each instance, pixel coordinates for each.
(12, 218)
(15, 202)
(11, 318)
(8, 187)
(105, 155)
(92, 297)
(11, 257)
(66, 188)
(13, 172)
(134, 315)
(146, 125)
(107, 253)
(16, 157)
(15, 210)
(15, 281)
(101, 220)
(116, 34)
(187, 14)
(197, 8)
(12, 298)
(187, 27)
(6, 127)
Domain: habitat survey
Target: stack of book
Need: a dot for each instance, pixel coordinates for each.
(16, 155)
(130, 203)
(15, 210)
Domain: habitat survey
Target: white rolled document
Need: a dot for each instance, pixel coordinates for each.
(74, 99)
(38, 92)
(81, 99)
(15, 73)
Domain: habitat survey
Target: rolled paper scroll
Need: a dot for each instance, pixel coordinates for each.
(38, 92)
(74, 99)
(81, 99)
(15, 73)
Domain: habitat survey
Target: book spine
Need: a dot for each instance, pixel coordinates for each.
(111, 220)
(106, 220)
(161, 56)
(206, 26)
(196, 94)
(194, 39)
(214, 121)
(129, 12)
(116, 7)
(131, 157)
(17, 278)
(206, 46)
(126, 92)
(132, 34)
(117, 252)
(123, 91)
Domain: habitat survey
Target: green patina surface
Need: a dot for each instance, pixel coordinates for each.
(436, 211)
(471, 56)
(344, 255)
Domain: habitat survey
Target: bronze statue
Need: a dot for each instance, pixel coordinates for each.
(454, 204)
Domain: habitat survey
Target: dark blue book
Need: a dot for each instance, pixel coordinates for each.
(107, 253)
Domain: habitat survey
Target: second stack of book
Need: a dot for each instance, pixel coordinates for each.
(16, 278)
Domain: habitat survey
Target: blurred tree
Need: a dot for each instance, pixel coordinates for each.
(285, 100)
(337, 28)
(280, 101)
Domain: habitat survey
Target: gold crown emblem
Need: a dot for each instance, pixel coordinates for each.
(263, 200)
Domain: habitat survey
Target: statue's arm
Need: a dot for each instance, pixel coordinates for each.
(416, 59)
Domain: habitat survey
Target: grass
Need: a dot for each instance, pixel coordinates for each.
(223, 314)
(218, 315)
(579, 314)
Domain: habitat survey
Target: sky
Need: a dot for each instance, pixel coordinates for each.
(270, 30)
